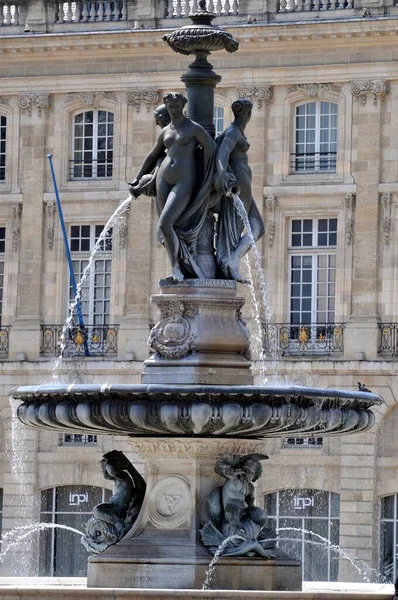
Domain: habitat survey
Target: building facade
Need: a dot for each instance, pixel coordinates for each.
(80, 80)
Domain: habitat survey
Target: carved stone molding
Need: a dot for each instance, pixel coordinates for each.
(386, 202)
(377, 88)
(51, 209)
(148, 97)
(124, 229)
(258, 94)
(270, 204)
(4, 101)
(16, 211)
(349, 202)
(314, 90)
(193, 448)
(91, 99)
(26, 102)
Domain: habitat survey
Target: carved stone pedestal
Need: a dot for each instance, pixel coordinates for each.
(163, 549)
(201, 337)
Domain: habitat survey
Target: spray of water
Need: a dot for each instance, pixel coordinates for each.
(210, 571)
(123, 206)
(262, 306)
(18, 534)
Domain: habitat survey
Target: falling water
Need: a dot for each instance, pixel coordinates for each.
(217, 555)
(264, 293)
(123, 206)
(18, 534)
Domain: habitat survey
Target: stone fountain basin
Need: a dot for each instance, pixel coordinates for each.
(195, 411)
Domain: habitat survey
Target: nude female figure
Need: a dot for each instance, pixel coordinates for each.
(232, 156)
(176, 178)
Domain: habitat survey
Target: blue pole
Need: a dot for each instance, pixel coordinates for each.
(68, 256)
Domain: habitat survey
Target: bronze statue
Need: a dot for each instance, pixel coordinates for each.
(236, 523)
(183, 184)
(114, 518)
(234, 174)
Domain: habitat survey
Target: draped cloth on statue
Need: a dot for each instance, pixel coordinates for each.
(190, 223)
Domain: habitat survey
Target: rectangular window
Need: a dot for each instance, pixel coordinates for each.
(96, 286)
(77, 439)
(313, 271)
(218, 119)
(3, 131)
(315, 138)
(2, 251)
(93, 145)
(306, 442)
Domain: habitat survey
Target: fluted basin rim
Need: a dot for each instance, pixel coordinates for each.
(43, 392)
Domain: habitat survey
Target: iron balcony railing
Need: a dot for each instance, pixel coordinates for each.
(4, 341)
(303, 339)
(388, 339)
(101, 340)
(90, 169)
(313, 162)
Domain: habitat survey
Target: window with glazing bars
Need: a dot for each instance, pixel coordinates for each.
(315, 138)
(312, 271)
(3, 141)
(96, 287)
(92, 145)
(219, 119)
(2, 251)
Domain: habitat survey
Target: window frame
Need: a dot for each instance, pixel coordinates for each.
(394, 521)
(94, 150)
(4, 167)
(276, 519)
(317, 141)
(217, 119)
(83, 256)
(314, 251)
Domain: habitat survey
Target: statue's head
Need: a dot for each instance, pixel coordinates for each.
(175, 103)
(162, 117)
(242, 108)
(114, 459)
(252, 466)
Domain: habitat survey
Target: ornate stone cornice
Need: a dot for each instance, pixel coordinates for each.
(16, 212)
(386, 199)
(270, 202)
(258, 94)
(91, 99)
(147, 97)
(51, 209)
(193, 448)
(377, 88)
(314, 90)
(41, 100)
(349, 201)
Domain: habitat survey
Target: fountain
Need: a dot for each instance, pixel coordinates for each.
(197, 415)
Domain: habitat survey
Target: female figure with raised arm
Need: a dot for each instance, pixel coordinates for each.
(234, 174)
(183, 184)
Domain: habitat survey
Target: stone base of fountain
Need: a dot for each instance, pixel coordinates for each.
(201, 337)
(163, 549)
(167, 573)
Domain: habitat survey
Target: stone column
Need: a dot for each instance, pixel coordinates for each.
(361, 336)
(27, 228)
(134, 328)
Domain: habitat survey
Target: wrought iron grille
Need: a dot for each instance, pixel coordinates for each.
(318, 162)
(388, 339)
(91, 168)
(309, 339)
(77, 439)
(4, 341)
(101, 340)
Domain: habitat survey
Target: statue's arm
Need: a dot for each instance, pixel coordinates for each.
(139, 484)
(223, 154)
(204, 138)
(151, 159)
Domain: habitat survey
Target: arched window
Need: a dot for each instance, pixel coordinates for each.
(61, 553)
(301, 510)
(92, 145)
(315, 138)
(388, 536)
(3, 141)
